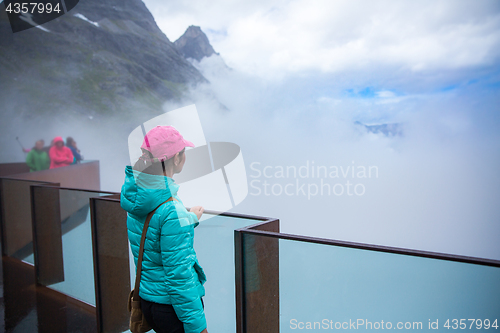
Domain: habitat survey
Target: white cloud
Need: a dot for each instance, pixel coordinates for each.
(386, 94)
(437, 183)
(273, 38)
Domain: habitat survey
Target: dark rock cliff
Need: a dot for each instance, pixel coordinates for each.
(194, 44)
(101, 57)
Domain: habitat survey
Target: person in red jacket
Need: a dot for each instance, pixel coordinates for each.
(59, 154)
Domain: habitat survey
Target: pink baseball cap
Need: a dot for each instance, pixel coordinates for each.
(164, 142)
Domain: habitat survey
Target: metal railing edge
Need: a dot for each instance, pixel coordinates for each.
(377, 248)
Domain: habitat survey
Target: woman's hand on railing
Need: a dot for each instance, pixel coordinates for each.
(198, 210)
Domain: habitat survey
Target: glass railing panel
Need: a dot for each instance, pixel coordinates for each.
(7, 169)
(261, 283)
(214, 246)
(111, 262)
(77, 245)
(63, 241)
(17, 237)
(341, 287)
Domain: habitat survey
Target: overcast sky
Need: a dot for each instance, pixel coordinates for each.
(276, 38)
(305, 70)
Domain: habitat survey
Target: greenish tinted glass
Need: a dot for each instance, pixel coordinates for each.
(214, 246)
(261, 283)
(76, 245)
(330, 285)
(16, 218)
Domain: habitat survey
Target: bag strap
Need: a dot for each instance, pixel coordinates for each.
(141, 250)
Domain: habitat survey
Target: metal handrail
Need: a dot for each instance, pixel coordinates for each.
(373, 247)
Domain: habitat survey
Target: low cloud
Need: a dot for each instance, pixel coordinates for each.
(302, 75)
(275, 38)
(437, 187)
(436, 183)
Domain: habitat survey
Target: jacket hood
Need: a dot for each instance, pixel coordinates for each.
(142, 192)
(58, 139)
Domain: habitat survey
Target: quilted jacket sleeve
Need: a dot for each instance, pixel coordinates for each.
(181, 278)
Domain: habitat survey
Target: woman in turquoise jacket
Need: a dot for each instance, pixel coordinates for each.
(172, 280)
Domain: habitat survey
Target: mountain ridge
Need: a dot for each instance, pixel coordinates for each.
(194, 44)
(111, 57)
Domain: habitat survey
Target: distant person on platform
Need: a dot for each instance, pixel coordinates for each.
(59, 154)
(37, 158)
(71, 144)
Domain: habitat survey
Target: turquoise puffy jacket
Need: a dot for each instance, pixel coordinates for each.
(171, 273)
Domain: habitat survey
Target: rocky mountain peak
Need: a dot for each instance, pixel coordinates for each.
(194, 44)
(101, 57)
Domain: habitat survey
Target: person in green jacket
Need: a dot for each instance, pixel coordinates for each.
(37, 158)
(171, 287)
